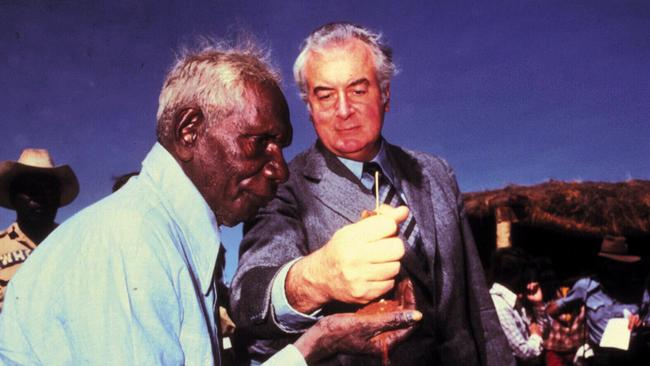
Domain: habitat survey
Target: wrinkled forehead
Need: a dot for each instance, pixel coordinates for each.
(269, 98)
(338, 56)
(266, 109)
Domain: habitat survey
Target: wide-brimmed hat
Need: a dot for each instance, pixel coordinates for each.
(616, 248)
(37, 161)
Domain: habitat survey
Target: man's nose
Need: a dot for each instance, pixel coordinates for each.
(35, 202)
(343, 108)
(276, 169)
(35, 199)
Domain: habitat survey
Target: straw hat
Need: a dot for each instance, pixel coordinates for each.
(37, 161)
(615, 248)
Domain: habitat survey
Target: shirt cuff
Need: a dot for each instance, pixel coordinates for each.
(285, 316)
(535, 341)
(288, 356)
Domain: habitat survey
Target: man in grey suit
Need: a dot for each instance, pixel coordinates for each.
(298, 260)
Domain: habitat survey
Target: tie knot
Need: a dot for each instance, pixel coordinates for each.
(371, 168)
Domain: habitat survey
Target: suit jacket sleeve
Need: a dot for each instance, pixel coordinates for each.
(272, 239)
(492, 345)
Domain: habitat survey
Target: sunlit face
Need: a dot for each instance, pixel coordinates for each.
(239, 164)
(345, 99)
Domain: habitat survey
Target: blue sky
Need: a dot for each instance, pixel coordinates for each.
(507, 91)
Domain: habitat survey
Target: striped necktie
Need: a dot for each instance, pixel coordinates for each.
(388, 195)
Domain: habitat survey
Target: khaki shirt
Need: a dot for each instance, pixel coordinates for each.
(15, 247)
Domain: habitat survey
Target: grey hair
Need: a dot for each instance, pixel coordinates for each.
(339, 32)
(214, 78)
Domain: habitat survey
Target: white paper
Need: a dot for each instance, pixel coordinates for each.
(616, 334)
(225, 342)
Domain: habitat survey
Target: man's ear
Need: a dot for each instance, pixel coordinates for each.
(386, 97)
(188, 124)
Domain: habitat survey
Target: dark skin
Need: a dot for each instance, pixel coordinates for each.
(404, 298)
(35, 197)
(237, 164)
(355, 334)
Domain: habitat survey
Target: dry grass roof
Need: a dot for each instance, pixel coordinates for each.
(586, 208)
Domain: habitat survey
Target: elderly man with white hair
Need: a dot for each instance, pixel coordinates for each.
(131, 279)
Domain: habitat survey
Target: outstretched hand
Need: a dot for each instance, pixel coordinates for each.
(353, 333)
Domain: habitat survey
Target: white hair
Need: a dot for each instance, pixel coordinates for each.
(340, 32)
(215, 79)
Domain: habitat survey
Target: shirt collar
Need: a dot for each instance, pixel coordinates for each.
(509, 296)
(356, 167)
(189, 210)
(16, 234)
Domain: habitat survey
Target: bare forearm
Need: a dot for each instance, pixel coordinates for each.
(303, 290)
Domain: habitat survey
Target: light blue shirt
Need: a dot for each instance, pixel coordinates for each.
(600, 307)
(127, 281)
(356, 167)
(286, 317)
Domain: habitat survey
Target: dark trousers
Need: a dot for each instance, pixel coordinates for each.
(606, 357)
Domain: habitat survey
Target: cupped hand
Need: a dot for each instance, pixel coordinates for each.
(353, 333)
(404, 300)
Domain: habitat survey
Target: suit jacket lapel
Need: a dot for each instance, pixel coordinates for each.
(335, 185)
(415, 186)
(337, 188)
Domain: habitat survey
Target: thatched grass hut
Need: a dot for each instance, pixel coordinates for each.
(564, 221)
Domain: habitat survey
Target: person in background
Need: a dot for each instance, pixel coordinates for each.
(297, 259)
(566, 333)
(616, 291)
(131, 280)
(513, 287)
(35, 188)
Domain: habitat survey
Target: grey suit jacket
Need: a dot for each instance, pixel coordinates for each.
(322, 196)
